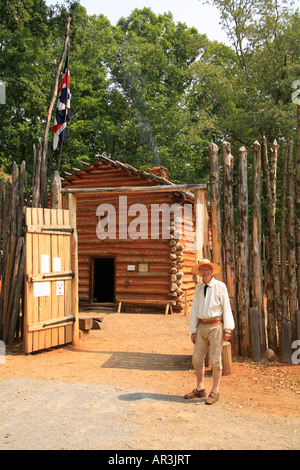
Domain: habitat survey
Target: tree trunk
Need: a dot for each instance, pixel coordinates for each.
(229, 237)
(215, 207)
(243, 253)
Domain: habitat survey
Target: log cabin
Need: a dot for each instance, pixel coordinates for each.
(136, 248)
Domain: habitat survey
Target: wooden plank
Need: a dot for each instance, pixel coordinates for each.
(52, 276)
(47, 238)
(28, 287)
(35, 268)
(166, 303)
(149, 301)
(42, 251)
(47, 324)
(72, 205)
(61, 300)
(145, 189)
(68, 281)
(54, 299)
(49, 229)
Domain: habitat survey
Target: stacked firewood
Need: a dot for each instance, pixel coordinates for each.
(176, 257)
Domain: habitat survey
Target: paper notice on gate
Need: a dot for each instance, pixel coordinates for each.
(41, 289)
(45, 264)
(56, 265)
(59, 287)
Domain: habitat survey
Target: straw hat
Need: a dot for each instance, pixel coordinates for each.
(205, 262)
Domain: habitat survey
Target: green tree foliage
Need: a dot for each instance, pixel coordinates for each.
(30, 43)
(147, 91)
(258, 79)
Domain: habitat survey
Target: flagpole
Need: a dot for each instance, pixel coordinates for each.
(49, 114)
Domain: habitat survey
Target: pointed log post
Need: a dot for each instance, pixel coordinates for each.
(216, 219)
(229, 237)
(255, 334)
(36, 177)
(9, 279)
(273, 283)
(291, 242)
(19, 266)
(257, 287)
(6, 214)
(20, 208)
(298, 203)
(273, 173)
(243, 253)
(199, 212)
(298, 325)
(56, 197)
(283, 242)
(286, 341)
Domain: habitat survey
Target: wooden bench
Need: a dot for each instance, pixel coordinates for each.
(88, 322)
(166, 303)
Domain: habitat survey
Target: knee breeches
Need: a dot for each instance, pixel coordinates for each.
(209, 337)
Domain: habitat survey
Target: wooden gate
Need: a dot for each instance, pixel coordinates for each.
(51, 279)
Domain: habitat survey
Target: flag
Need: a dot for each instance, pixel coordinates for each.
(63, 115)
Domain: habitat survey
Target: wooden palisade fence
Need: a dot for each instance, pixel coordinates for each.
(12, 260)
(13, 198)
(276, 322)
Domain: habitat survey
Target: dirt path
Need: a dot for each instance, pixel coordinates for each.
(123, 389)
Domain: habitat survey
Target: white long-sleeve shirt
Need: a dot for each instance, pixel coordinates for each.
(215, 304)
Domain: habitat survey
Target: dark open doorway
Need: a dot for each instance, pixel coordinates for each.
(103, 280)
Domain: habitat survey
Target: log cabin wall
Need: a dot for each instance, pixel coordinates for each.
(117, 269)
